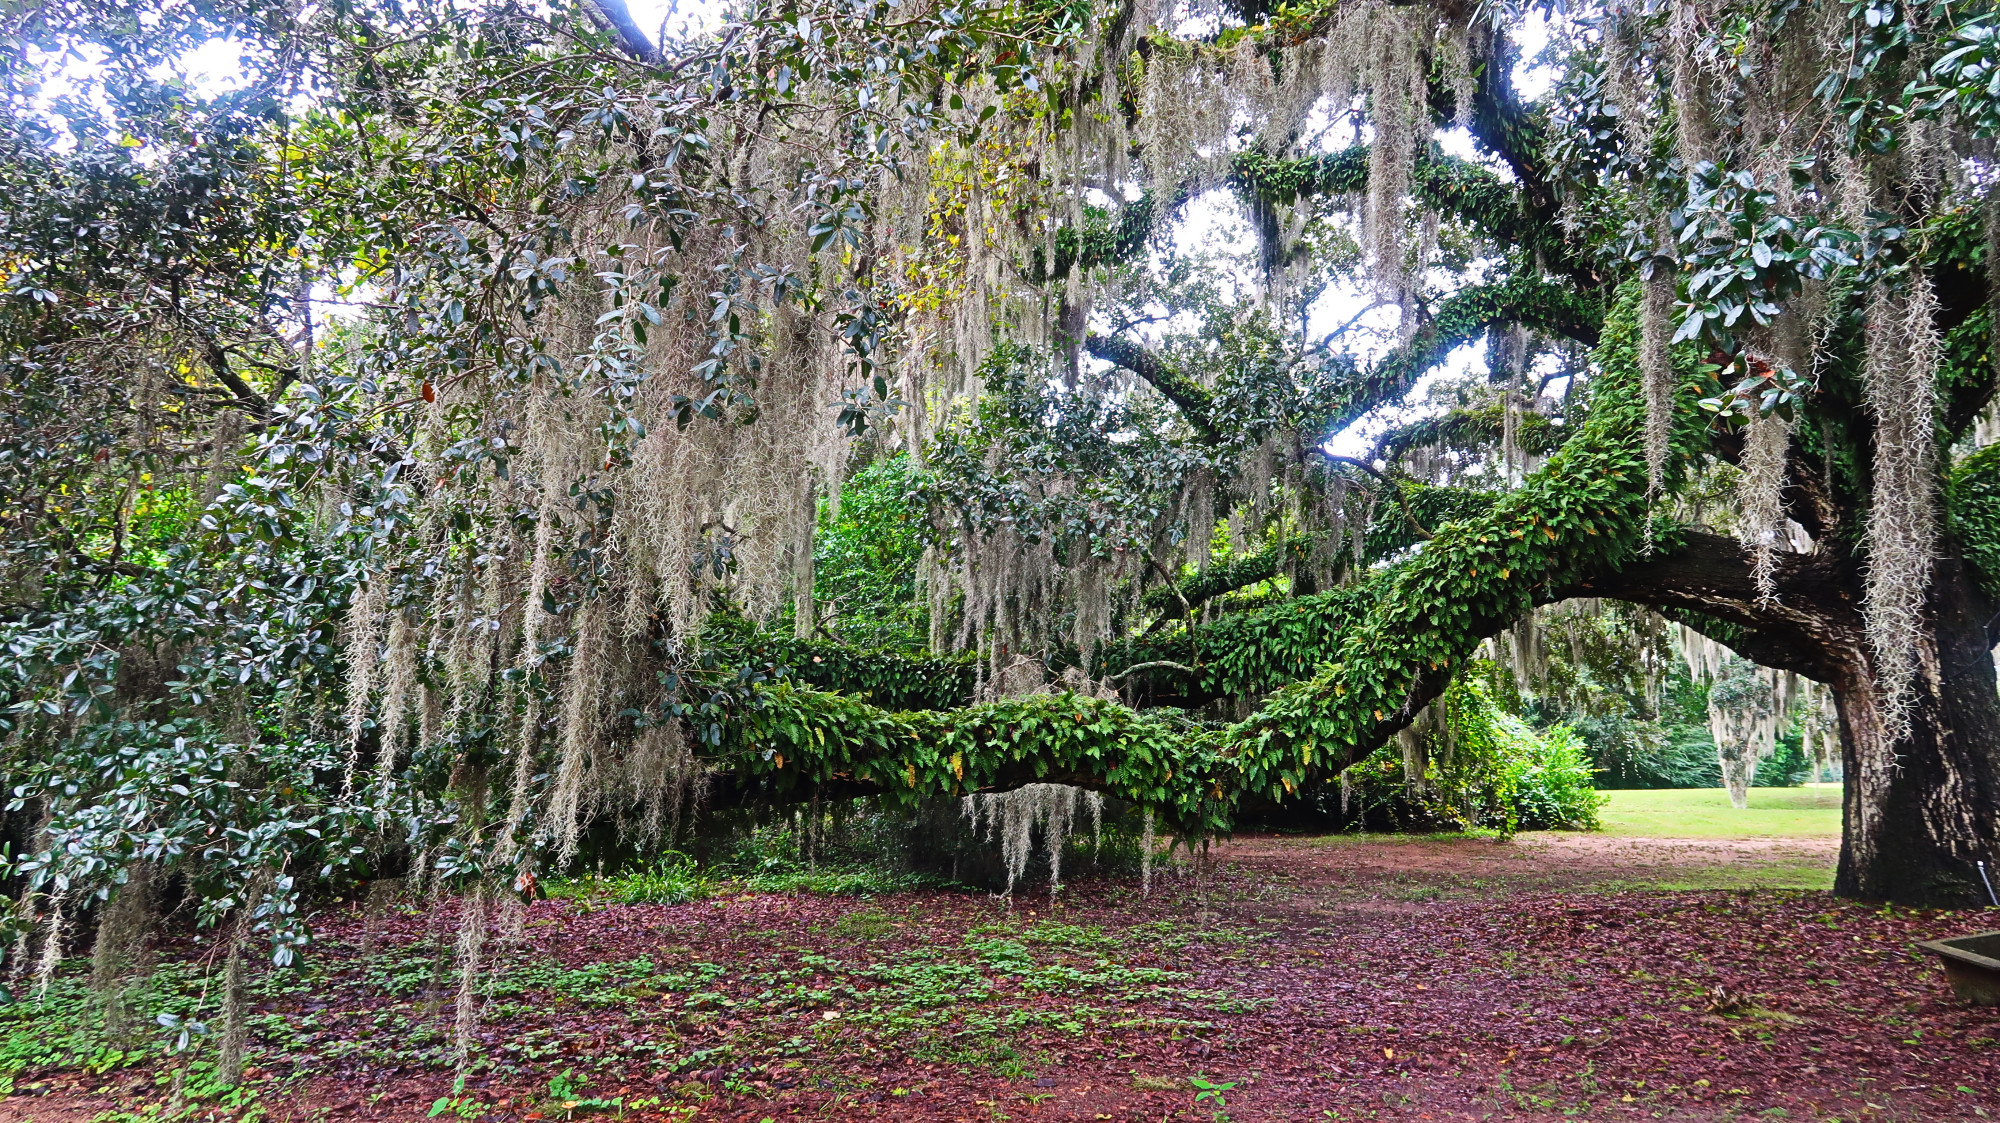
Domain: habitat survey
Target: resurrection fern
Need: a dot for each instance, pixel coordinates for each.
(892, 680)
(1396, 639)
(1972, 512)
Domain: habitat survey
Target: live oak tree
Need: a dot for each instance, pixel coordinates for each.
(384, 435)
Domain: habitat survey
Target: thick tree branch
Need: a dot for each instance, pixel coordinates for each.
(218, 364)
(1470, 428)
(1108, 237)
(1178, 600)
(1189, 396)
(1708, 577)
(617, 20)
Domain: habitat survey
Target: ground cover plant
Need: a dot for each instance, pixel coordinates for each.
(471, 445)
(1375, 977)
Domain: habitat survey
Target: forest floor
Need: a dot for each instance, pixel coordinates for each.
(1347, 978)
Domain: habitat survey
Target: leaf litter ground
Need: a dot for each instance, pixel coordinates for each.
(1351, 978)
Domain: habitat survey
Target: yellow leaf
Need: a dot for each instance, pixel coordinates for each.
(911, 771)
(958, 765)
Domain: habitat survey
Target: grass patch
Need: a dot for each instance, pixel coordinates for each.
(1804, 812)
(675, 879)
(865, 924)
(1813, 876)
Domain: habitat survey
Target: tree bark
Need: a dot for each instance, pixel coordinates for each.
(1919, 811)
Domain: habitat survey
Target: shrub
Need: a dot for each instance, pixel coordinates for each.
(1552, 782)
(1482, 767)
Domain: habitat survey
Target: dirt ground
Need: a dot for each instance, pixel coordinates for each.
(1349, 979)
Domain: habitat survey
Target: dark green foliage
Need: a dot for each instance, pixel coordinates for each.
(1107, 236)
(1651, 755)
(1483, 768)
(1554, 789)
(1453, 186)
(791, 741)
(894, 680)
(1174, 601)
(1239, 654)
(1474, 426)
(1972, 510)
(1003, 462)
(1416, 511)
(1786, 767)
(865, 559)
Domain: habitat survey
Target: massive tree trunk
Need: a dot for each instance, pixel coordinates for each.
(1921, 810)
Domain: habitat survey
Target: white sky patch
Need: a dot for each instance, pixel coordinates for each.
(215, 67)
(1532, 79)
(679, 19)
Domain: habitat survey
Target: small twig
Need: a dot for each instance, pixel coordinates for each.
(1343, 329)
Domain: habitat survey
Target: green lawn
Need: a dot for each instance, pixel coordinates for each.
(1705, 813)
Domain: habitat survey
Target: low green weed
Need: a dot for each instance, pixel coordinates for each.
(566, 1095)
(1207, 1091)
(458, 1104)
